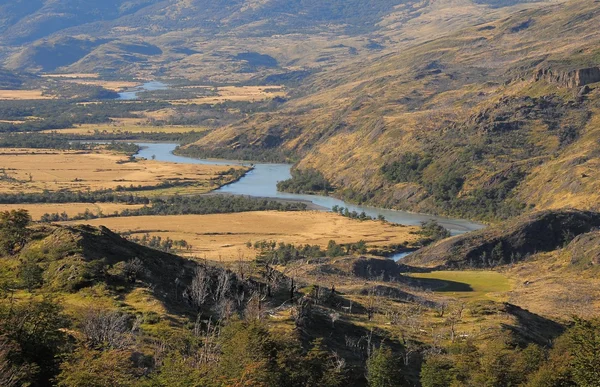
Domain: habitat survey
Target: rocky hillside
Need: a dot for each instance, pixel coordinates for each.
(517, 240)
(488, 122)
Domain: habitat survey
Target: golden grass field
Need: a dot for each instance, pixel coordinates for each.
(110, 85)
(13, 95)
(224, 236)
(238, 94)
(73, 75)
(35, 170)
(550, 285)
(72, 209)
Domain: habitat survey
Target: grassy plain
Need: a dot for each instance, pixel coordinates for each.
(14, 95)
(224, 236)
(72, 209)
(35, 170)
(237, 94)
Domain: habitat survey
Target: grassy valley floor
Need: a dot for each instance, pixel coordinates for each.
(224, 236)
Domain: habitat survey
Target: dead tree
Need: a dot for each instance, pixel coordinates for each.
(200, 287)
(110, 329)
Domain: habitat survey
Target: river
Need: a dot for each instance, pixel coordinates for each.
(132, 94)
(262, 182)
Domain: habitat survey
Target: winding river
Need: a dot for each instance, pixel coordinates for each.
(262, 182)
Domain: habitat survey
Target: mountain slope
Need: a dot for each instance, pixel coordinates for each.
(202, 38)
(495, 115)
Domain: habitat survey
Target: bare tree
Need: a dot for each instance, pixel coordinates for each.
(112, 329)
(302, 312)
(372, 302)
(134, 269)
(454, 319)
(200, 287)
(334, 316)
(222, 287)
(210, 349)
(254, 307)
(410, 347)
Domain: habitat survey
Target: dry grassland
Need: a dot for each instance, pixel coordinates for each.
(238, 94)
(73, 76)
(92, 79)
(72, 209)
(110, 85)
(551, 286)
(224, 236)
(29, 170)
(13, 95)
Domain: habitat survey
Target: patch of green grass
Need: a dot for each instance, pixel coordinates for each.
(467, 284)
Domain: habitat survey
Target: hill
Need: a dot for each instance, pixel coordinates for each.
(487, 122)
(221, 41)
(513, 241)
(79, 300)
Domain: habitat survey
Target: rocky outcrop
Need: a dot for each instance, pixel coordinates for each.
(570, 79)
(509, 242)
(585, 249)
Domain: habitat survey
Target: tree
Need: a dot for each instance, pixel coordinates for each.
(383, 369)
(200, 287)
(334, 250)
(107, 329)
(90, 368)
(37, 330)
(437, 372)
(30, 274)
(133, 269)
(585, 351)
(12, 374)
(13, 230)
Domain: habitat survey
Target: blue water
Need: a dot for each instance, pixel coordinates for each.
(132, 94)
(262, 182)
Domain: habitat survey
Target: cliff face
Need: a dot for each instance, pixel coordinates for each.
(569, 79)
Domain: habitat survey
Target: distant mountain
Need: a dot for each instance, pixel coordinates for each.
(204, 38)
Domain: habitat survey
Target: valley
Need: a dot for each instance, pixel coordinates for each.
(299, 193)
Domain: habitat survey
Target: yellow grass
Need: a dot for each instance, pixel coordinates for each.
(12, 95)
(239, 94)
(224, 236)
(72, 76)
(110, 85)
(37, 210)
(37, 170)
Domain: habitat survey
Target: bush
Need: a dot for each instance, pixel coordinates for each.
(307, 181)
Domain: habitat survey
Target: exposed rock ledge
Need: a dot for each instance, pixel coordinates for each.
(570, 79)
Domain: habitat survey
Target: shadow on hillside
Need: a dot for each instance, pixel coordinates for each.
(531, 327)
(439, 285)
